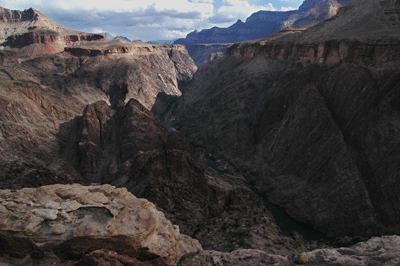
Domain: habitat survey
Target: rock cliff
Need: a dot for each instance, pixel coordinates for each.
(33, 34)
(32, 109)
(309, 117)
(127, 147)
(258, 25)
(265, 23)
(153, 74)
(200, 53)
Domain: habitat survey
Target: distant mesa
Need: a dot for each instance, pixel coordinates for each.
(265, 23)
(122, 38)
(162, 42)
(33, 34)
(112, 37)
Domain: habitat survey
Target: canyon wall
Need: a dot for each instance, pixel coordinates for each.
(32, 109)
(309, 117)
(33, 34)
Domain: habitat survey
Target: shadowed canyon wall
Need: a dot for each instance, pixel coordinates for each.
(310, 119)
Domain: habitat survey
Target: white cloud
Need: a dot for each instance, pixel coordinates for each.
(288, 8)
(172, 34)
(203, 1)
(231, 2)
(231, 10)
(271, 7)
(96, 30)
(145, 20)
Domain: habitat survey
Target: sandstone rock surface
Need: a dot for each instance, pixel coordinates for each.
(69, 221)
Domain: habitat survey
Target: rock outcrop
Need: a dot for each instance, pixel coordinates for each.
(31, 112)
(200, 53)
(32, 109)
(377, 251)
(69, 221)
(127, 147)
(241, 257)
(33, 34)
(317, 136)
(109, 258)
(318, 12)
(153, 74)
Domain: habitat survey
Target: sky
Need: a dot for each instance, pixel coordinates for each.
(149, 20)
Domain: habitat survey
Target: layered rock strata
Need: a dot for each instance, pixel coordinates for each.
(69, 221)
(31, 112)
(32, 109)
(262, 24)
(309, 117)
(153, 74)
(127, 147)
(33, 34)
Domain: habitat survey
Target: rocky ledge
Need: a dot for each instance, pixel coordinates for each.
(375, 53)
(376, 251)
(364, 33)
(65, 222)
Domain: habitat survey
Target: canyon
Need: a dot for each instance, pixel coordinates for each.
(126, 153)
(306, 118)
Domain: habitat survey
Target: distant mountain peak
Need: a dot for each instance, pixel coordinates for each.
(307, 4)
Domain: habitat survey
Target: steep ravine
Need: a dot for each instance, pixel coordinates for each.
(310, 118)
(287, 224)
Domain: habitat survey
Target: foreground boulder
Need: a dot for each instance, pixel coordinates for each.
(69, 221)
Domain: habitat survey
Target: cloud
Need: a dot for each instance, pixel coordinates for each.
(203, 1)
(232, 10)
(97, 30)
(288, 8)
(144, 20)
